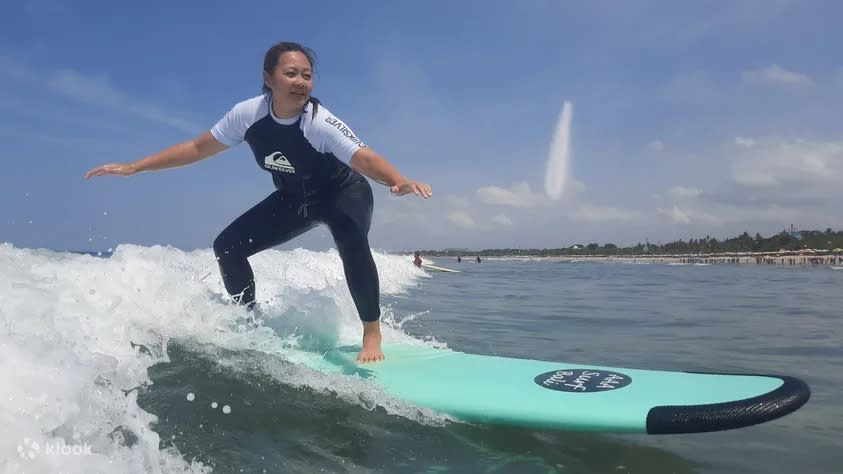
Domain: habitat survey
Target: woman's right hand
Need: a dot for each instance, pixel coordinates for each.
(117, 169)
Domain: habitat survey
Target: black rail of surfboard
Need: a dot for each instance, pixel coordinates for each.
(675, 419)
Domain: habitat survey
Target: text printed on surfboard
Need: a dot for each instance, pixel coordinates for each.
(582, 380)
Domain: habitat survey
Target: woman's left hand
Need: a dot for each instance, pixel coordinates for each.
(407, 187)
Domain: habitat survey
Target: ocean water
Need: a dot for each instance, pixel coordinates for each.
(135, 362)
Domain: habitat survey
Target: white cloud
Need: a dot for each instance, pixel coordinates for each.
(454, 200)
(502, 220)
(777, 214)
(689, 216)
(11, 69)
(775, 74)
(559, 156)
(772, 183)
(792, 163)
(92, 90)
(576, 186)
(592, 213)
(678, 215)
(403, 212)
(744, 142)
(683, 192)
(758, 188)
(462, 219)
(519, 195)
(656, 146)
(98, 90)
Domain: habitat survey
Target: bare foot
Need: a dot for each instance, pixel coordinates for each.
(371, 351)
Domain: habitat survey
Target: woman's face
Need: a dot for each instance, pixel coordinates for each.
(292, 80)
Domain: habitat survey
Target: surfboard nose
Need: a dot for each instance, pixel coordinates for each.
(789, 397)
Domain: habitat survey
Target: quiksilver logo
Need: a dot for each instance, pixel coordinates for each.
(344, 130)
(278, 162)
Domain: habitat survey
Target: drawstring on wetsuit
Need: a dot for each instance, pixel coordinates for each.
(302, 210)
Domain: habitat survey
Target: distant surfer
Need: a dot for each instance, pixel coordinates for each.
(459, 259)
(478, 259)
(417, 261)
(317, 165)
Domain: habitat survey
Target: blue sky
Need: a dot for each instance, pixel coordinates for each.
(689, 118)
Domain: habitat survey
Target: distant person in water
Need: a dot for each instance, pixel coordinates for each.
(417, 261)
(459, 259)
(317, 165)
(478, 259)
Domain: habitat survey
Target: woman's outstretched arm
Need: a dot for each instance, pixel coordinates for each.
(182, 154)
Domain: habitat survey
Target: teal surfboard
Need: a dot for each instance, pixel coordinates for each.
(555, 395)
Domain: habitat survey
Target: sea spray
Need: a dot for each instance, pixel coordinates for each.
(78, 334)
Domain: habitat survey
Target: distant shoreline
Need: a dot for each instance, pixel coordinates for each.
(799, 257)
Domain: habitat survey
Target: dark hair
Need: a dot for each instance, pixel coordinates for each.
(270, 61)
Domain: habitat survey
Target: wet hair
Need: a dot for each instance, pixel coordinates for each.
(273, 55)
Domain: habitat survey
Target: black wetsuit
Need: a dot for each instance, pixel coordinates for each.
(313, 186)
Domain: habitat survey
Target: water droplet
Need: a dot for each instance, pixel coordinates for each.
(213, 404)
(191, 397)
(226, 409)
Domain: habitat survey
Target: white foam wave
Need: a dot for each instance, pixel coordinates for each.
(72, 326)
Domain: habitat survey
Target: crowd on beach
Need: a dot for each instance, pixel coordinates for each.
(786, 258)
(799, 257)
(772, 260)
